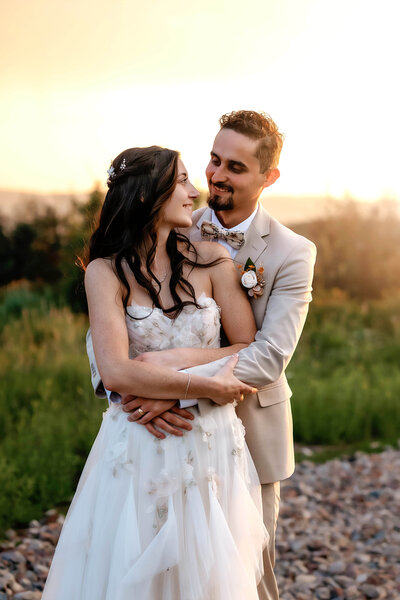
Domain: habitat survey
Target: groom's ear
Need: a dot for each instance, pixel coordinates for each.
(271, 176)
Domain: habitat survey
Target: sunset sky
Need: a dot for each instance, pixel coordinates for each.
(81, 81)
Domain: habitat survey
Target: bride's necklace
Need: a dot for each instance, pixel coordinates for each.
(163, 277)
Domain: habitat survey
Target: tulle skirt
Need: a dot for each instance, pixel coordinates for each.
(173, 519)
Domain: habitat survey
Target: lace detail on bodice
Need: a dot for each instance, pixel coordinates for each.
(193, 327)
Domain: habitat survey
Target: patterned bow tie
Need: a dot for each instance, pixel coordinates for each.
(210, 231)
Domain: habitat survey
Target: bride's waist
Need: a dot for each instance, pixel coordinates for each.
(214, 411)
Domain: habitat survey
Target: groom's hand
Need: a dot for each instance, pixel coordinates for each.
(158, 415)
(174, 358)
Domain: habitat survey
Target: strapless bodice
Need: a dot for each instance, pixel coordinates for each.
(194, 327)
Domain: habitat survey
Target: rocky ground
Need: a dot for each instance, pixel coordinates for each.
(338, 536)
(339, 530)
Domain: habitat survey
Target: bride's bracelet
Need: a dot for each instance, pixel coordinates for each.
(187, 385)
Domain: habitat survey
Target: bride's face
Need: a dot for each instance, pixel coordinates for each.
(177, 210)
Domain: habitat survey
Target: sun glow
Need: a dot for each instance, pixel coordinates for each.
(74, 95)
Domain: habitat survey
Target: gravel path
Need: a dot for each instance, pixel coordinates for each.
(338, 536)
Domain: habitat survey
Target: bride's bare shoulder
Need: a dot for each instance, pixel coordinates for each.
(98, 266)
(100, 270)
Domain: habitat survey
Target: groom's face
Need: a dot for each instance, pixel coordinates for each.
(233, 173)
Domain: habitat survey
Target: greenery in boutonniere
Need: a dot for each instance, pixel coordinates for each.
(252, 278)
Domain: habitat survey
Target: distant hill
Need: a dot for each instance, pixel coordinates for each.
(290, 210)
(15, 206)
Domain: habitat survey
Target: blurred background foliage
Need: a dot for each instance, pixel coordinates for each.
(42, 252)
(344, 375)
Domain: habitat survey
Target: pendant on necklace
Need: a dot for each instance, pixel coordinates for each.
(163, 277)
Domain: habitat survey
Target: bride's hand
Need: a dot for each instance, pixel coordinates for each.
(229, 388)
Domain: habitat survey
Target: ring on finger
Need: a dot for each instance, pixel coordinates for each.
(140, 411)
(241, 397)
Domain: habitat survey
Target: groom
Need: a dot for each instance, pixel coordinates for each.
(244, 161)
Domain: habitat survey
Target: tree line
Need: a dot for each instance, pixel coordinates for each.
(358, 250)
(45, 249)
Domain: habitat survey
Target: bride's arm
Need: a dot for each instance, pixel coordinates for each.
(111, 348)
(236, 316)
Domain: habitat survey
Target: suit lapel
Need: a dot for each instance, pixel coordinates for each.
(256, 238)
(200, 215)
(206, 215)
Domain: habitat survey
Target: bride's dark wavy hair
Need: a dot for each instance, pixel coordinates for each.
(141, 181)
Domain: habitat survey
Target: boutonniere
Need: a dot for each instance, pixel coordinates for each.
(252, 278)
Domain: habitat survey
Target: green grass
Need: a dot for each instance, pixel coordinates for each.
(22, 297)
(345, 375)
(321, 454)
(345, 380)
(48, 414)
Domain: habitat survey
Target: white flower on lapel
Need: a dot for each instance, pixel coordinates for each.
(249, 279)
(252, 278)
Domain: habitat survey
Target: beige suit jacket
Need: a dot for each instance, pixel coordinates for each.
(288, 260)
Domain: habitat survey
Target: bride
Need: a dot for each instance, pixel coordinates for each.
(178, 518)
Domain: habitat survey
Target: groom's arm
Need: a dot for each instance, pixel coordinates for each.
(265, 359)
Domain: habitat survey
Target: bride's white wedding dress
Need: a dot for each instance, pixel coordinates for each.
(172, 519)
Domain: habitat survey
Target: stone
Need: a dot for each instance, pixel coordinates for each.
(352, 593)
(28, 595)
(17, 587)
(7, 580)
(41, 571)
(307, 451)
(323, 593)
(306, 581)
(13, 556)
(337, 567)
(51, 515)
(49, 537)
(36, 545)
(297, 545)
(344, 581)
(10, 534)
(370, 591)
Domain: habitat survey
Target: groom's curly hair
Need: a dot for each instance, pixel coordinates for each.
(257, 126)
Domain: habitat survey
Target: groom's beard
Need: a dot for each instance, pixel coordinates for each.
(217, 202)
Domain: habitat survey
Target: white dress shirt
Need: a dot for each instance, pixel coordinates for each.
(242, 227)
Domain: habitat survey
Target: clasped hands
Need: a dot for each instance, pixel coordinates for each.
(159, 416)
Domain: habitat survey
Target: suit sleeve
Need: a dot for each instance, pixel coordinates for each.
(265, 359)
